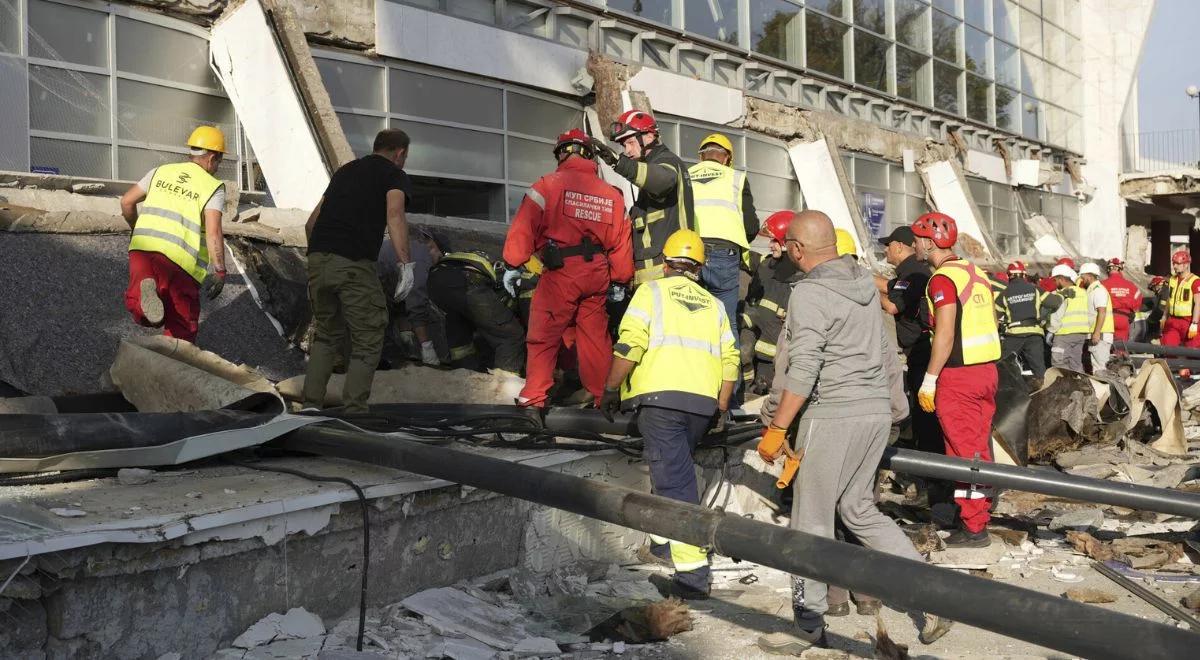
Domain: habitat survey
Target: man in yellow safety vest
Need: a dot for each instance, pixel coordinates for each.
(1181, 318)
(1100, 318)
(176, 236)
(1069, 324)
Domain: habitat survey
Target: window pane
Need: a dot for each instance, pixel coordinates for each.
(871, 15)
(161, 115)
(978, 90)
(478, 10)
(541, 118)
(870, 174)
(68, 101)
(360, 131)
(977, 12)
(159, 52)
(1008, 65)
(981, 190)
(945, 87)
(945, 36)
(133, 164)
(68, 34)
(1008, 109)
(1031, 32)
(458, 199)
(831, 7)
(774, 194)
(1004, 20)
(1031, 113)
(74, 158)
(453, 151)
(1055, 42)
(775, 29)
(911, 75)
(978, 52)
(1033, 76)
(870, 60)
(525, 17)
(825, 51)
(420, 95)
(768, 158)
(910, 24)
(715, 19)
(658, 11)
(949, 6)
(10, 26)
(528, 160)
(352, 85)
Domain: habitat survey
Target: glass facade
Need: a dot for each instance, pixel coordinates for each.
(112, 92)
(477, 145)
(888, 197)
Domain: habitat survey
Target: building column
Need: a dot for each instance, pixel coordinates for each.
(1160, 247)
(1194, 244)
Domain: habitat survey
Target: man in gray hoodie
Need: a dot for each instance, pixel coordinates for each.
(831, 394)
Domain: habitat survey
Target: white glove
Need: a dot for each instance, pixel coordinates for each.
(428, 354)
(404, 283)
(510, 281)
(616, 293)
(1049, 338)
(927, 393)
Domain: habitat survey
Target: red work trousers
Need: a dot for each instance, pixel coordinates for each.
(1175, 333)
(179, 292)
(965, 403)
(1120, 327)
(573, 295)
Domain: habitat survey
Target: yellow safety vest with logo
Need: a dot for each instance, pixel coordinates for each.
(717, 195)
(680, 338)
(1075, 312)
(1109, 326)
(1180, 303)
(977, 339)
(171, 221)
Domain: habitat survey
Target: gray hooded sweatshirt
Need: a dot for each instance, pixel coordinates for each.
(833, 348)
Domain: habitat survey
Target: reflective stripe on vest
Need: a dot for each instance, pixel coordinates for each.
(1109, 326)
(649, 234)
(717, 191)
(1023, 315)
(476, 262)
(977, 335)
(1075, 312)
(171, 221)
(1180, 303)
(766, 348)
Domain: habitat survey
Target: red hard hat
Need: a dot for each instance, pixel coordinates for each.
(777, 224)
(938, 227)
(575, 141)
(1116, 264)
(630, 123)
(1181, 257)
(1066, 261)
(1157, 281)
(1016, 268)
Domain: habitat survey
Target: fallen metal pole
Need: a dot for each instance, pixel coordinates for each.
(1155, 349)
(1147, 595)
(1035, 617)
(1046, 482)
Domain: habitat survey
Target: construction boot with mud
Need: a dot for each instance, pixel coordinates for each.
(793, 643)
(967, 539)
(935, 628)
(151, 304)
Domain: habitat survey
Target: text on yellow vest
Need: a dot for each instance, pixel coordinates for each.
(171, 220)
(717, 191)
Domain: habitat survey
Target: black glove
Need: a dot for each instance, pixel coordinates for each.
(214, 284)
(610, 403)
(604, 152)
(719, 420)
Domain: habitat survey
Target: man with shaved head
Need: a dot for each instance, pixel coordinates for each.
(830, 400)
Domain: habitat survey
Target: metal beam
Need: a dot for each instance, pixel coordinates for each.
(1035, 617)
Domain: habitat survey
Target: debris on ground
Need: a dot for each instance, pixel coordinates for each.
(1086, 595)
(1134, 552)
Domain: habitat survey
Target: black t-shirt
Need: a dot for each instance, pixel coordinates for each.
(907, 293)
(354, 214)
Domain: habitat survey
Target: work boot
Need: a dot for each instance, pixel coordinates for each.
(867, 606)
(669, 587)
(793, 643)
(967, 539)
(840, 609)
(645, 554)
(151, 304)
(935, 628)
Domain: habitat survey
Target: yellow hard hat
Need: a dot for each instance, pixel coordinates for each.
(207, 137)
(684, 244)
(719, 140)
(845, 243)
(534, 265)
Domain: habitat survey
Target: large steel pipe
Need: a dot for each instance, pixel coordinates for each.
(1038, 618)
(1155, 349)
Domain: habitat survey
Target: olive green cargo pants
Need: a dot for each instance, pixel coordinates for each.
(345, 295)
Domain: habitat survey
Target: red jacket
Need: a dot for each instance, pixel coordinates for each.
(1126, 296)
(566, 205)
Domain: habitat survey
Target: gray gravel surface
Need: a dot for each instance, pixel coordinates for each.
(62, 315)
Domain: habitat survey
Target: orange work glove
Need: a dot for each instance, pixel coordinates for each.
(772, 443)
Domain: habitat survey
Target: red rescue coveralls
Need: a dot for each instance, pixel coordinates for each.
(1175, 328)
(565, 206)
(1126, 301)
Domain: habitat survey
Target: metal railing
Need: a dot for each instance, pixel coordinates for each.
(1160, 151)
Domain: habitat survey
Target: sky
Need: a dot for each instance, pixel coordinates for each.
(1170, 62)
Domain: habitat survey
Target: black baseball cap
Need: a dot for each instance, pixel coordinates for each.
(902, 234)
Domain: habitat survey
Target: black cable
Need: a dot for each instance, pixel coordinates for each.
(362, 500)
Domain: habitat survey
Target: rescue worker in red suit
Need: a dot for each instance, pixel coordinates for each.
(577, 225)
(1181, 318)
(1126, 298)
(961, 379)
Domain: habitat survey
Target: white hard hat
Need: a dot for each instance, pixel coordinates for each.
(1090, 268)
(1063, 270)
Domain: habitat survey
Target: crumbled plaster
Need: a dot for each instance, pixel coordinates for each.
(1141, 187)
(344, 23)
(609, 81)
(1137, 248)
